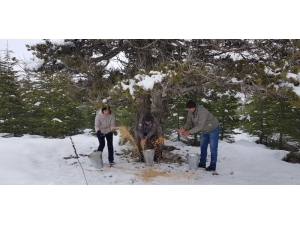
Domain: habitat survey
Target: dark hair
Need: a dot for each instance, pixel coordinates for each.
(191, 104)
(148, 117)
(105, 108)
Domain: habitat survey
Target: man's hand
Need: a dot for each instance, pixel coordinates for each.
(181, 130)
(185, 134)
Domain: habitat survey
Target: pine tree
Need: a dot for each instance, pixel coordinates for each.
(224, 107)
(12, 111)
(178, 116)
(273, 119)
(195, 66)
(256, 115)
(283, 122)
(53, 111)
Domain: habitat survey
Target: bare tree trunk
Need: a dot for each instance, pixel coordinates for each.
(178, 125)
(280, 141)
(195, 139)
(142, 108)
(161, 112)
(158, 107)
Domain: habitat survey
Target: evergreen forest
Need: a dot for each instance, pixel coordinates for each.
(248, 84)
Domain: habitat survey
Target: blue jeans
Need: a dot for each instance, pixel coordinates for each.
(213, 139)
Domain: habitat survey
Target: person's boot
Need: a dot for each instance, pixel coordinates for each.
(210, 168)
(202, 165)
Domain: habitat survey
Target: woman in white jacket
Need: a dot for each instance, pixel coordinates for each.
(105, 121)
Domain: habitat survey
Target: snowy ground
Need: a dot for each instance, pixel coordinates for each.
(37, 160)
(42, 183)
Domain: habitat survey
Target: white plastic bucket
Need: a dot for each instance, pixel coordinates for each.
(193, 161)
(149, 156)
(96, 159)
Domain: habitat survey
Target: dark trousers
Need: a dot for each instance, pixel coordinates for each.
(109, 139)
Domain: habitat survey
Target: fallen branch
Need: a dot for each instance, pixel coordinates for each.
(78, 160)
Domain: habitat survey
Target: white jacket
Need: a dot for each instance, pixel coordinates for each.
(103, 122)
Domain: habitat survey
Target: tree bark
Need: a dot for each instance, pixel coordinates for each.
(161, 112)
(142, 108)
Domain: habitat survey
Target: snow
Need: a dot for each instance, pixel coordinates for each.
(55, 119)
(234, 80)
(33, 64)
(143, 81)
(38, 186)
(37, 160)
(115, 63)
(297, 90)
(29, 164)
(147, 82)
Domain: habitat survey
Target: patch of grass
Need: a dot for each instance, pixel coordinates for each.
(292, 157)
